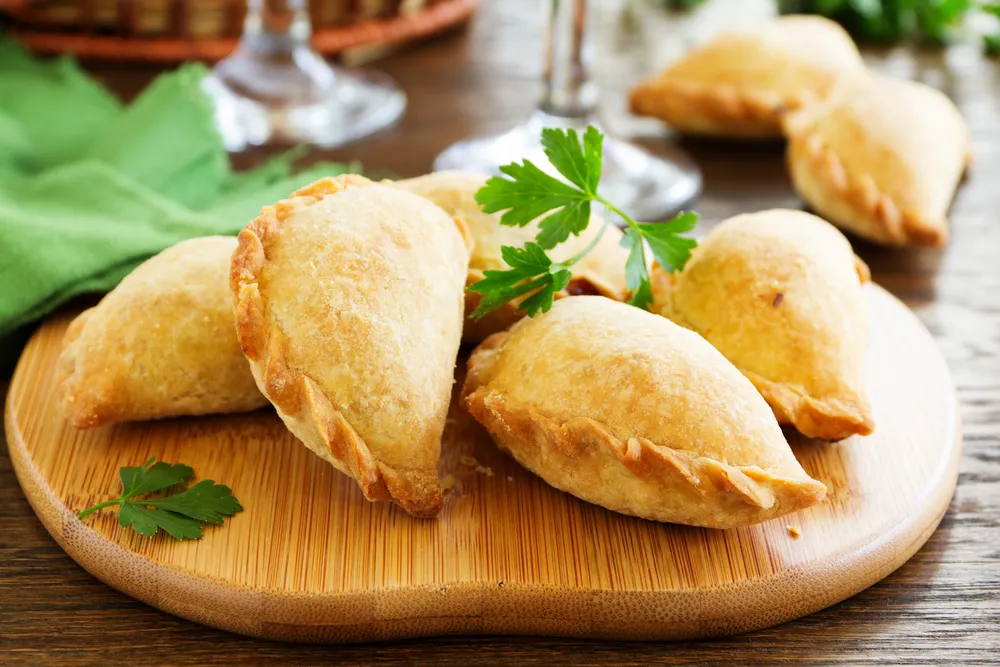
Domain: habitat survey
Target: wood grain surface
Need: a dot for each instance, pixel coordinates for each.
(309, 559)
(942, 607)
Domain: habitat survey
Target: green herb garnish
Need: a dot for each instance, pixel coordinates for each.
(933, 21)
(180, 514)
(530, 193)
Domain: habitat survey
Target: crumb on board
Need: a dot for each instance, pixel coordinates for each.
(484, 470)
(447, 483)
(467, 460)
(793, 532)
(510, 478)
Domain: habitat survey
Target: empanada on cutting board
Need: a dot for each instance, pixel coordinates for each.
(349, 306)
(882, 159)
(779, 294)
(309, 559)
(741, 83)
(160, 344)
(602, 271)
(625, 409)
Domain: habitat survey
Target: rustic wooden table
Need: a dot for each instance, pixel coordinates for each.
(943, 607)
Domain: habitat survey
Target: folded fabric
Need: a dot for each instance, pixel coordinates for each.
(82, 227)
(56, 108)
(89, 188)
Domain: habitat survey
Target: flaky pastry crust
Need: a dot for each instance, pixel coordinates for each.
(882, 159)
(626, 410)
(742, 83)
(348, 304)
(601, 272)
(779, 294)
(161, 344)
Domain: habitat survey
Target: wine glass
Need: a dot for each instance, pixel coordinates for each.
(274, 88)
(643, 185)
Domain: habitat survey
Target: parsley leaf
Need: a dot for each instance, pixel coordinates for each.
(541, 300)
(528, 192)
(531, 270)
(180, 514)
(146, 478)
(636, 274)
(670, 249)
(205, 501)
(571, 219)
(147, 521)
(581, 165)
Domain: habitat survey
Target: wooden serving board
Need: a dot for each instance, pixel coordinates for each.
(310, 560)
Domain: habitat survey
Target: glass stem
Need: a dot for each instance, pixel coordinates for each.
(276, 28)
(569, 90)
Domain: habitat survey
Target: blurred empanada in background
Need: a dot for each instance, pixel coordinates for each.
(625, 409)
(602, 271)
(349, 306)
(742, 82)
(882, 159)
(161, 344)
(779, 294)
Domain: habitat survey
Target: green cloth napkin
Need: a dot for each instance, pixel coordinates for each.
(89, 188)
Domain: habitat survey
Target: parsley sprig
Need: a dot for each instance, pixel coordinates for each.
(529, 193)
(180, 514)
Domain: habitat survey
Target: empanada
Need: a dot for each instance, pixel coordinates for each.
(602, 271)
(625, 409)
(160, 344)
(348, 304)
(778, 293)
(743, 81)
(881, 159)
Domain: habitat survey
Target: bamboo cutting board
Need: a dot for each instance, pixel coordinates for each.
(310, 560)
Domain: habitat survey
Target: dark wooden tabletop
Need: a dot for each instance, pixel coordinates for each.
(943, 607)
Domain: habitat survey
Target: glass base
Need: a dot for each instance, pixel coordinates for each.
(298, 98)
(645, 186)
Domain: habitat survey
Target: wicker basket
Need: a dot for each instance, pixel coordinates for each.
(173, 30)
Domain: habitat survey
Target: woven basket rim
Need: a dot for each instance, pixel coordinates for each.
(434, 18)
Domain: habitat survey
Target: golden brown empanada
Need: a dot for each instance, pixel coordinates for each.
(602, 271)
(625, 409)
(881, 159)
(349, 308)
(161, 344)
(778, 293)
(743, 81)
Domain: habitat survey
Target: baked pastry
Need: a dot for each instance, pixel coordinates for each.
(742, 82)
(160, 344)
(779, 294)
(348, 304)
(625, 409)
(882, 160)
(602, 271)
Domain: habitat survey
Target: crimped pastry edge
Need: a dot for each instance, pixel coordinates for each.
(293, 392)
(883, 220)
(731, 112)
(823, 418)
(763, 493)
